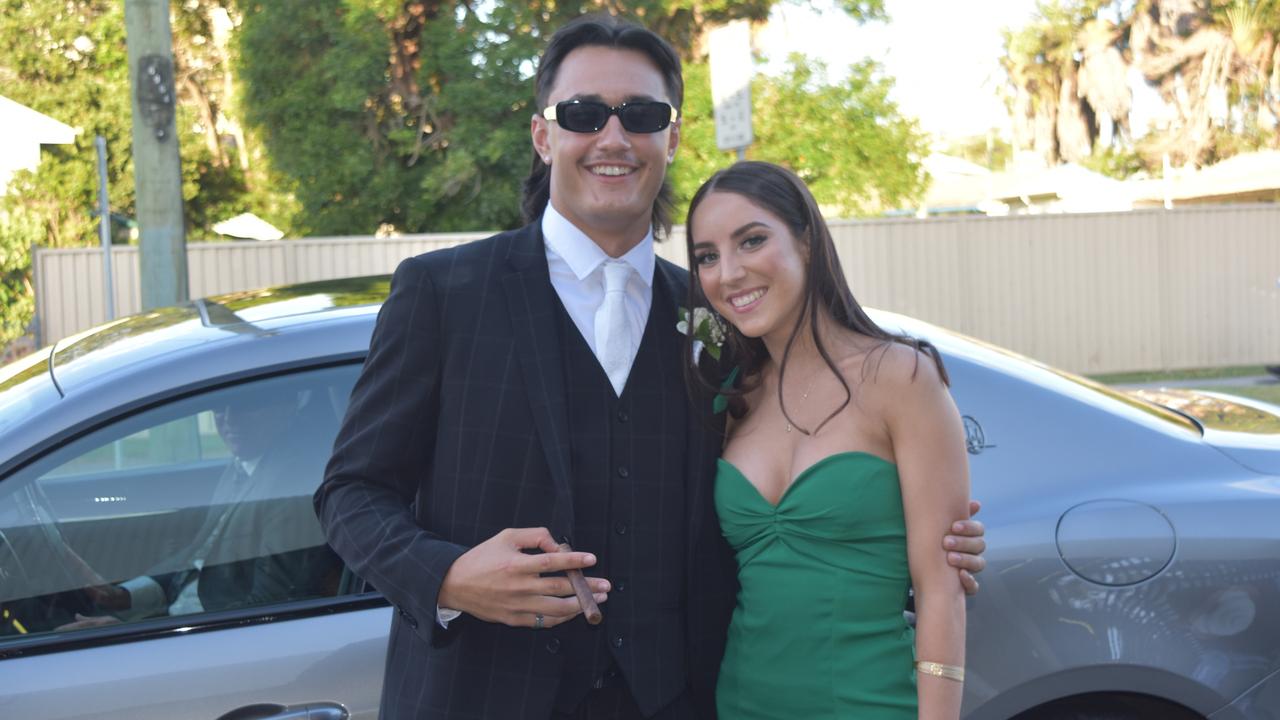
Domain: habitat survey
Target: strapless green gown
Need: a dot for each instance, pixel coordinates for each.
(818, 630)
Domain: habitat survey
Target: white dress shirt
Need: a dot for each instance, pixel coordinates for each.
(576, 264)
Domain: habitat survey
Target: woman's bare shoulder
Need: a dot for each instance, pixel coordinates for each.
(890, 375)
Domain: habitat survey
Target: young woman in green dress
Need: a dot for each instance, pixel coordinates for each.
(844, 465)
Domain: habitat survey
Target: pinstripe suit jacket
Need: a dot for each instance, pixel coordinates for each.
(457, 429)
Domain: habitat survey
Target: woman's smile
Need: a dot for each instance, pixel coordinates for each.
(744, 302)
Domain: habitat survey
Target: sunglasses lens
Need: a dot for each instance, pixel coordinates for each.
(582, 116)
(645, 117)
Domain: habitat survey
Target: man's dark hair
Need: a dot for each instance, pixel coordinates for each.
(605, 31)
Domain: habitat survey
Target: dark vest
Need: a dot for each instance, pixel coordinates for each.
(628, 459)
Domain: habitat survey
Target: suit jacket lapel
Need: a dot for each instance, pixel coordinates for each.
(531, 302)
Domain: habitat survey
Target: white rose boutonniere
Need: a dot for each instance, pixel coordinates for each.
(707, 331)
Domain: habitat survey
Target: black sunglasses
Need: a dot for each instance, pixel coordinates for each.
(588, 116)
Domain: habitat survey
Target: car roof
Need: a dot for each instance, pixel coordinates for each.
(130, 362)
(228, 318)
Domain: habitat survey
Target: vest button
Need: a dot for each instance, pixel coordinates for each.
(620, 585)
(623, 472)
(617, 641)
(553, 646)
(620, 528)
(623, 416)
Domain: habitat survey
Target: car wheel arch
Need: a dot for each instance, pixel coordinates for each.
(1109, 706)
(1145, 688)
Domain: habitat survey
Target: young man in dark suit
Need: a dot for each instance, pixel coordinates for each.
(525, 390)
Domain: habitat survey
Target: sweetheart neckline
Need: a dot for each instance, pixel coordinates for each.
(802, 475)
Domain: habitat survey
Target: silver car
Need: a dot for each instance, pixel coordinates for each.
(1134, 561)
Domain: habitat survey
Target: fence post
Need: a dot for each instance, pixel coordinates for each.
(104, 227)
(36, 320)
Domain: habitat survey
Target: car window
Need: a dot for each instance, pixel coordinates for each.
(198, 505)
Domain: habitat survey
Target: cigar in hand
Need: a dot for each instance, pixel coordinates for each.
(585, 597)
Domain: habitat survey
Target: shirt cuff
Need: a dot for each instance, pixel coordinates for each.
(146, 598)
(445, 615)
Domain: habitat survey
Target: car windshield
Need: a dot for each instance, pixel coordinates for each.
(1170, 414)
(1215, 412)
(1147, 406)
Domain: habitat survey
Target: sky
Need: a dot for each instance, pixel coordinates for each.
(943, 54)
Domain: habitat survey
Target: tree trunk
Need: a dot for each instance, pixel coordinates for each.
(1046, 140)
(208, 118)
(1075, 134)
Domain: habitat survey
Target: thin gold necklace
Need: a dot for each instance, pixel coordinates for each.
(802, 398)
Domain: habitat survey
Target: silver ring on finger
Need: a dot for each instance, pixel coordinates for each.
(538, 621)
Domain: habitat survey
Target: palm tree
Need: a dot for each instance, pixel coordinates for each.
(1217, 67)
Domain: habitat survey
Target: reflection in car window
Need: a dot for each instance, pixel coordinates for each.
(200, 505)
(187, 439)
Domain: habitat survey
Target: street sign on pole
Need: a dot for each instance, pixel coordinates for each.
(731, 70)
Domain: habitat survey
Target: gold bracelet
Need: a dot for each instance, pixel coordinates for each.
(950, 672)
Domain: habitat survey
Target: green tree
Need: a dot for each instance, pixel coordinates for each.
(19, 228)
(415, 114)
(847, 140)
(67, 61)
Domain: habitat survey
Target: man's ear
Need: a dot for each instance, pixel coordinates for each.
(540, 133)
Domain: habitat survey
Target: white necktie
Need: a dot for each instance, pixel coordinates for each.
(613, 337)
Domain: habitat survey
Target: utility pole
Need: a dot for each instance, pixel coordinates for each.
(157, 167)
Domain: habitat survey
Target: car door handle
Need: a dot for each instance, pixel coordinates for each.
(272, 711)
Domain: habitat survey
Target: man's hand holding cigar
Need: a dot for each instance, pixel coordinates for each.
(496, 581)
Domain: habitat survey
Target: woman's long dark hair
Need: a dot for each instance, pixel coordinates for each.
(782, 193)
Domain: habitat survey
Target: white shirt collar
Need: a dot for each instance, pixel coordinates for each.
(583, 255)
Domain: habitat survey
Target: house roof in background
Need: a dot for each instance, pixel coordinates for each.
(248, 226)
(1237, 177)
(22, 123)
(1059, 181)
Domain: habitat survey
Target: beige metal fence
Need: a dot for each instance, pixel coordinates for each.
(1106, 292)
(1094, 293)
(70, 294)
